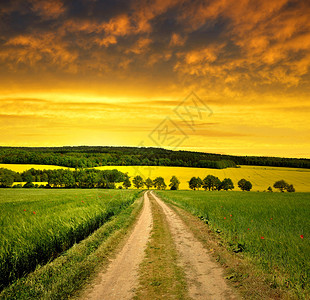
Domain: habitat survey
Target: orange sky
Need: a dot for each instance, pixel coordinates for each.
(90, 72)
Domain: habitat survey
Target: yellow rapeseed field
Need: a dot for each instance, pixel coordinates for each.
(25, 167)
(260, 177)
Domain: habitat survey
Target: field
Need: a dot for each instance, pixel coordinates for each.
(260, 177)
(25, 167)
(38, 225)
(52, 232)
(271, 228)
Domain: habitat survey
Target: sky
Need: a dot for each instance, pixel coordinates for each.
(219, 76)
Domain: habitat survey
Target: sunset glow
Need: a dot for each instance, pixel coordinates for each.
(93, 72)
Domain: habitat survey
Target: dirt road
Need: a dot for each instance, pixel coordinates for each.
(203, 276)
(121, 278)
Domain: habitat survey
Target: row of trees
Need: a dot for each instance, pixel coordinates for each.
(90, 178)
(211, 183)
(158, 183)
(80, 178)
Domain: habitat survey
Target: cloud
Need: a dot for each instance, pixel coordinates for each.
(177, 40)
(106, 41)
(142, 45)
(229, 47)
(48, 9)
(44, 49)
(271, 38)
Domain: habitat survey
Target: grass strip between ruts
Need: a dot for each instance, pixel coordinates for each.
(160, 275)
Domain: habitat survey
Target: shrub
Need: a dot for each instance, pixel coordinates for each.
(281, 185)
(290, 188)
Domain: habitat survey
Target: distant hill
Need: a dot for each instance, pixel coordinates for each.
(94, 156)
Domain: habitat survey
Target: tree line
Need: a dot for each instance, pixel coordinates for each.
(213, 183)
(209, 183)
(107, 179)
(158, 183)
(89, 157)
(79, 178)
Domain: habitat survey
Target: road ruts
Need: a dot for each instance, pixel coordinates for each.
(204, 277)
(121, 279)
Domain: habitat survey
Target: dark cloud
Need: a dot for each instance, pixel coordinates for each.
(224, 45)
(213, 31)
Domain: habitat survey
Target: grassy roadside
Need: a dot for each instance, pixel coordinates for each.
(39, 225)
(160, 275)
(63, 277)
(248, 279)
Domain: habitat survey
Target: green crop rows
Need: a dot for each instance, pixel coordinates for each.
(37, 225)
(271, 228)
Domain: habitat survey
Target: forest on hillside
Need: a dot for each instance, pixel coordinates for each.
(94, 156)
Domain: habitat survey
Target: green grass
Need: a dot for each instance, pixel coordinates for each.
(36, 226)
(267, 227)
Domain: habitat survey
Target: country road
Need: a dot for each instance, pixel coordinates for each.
(204, 278)
(121, 278)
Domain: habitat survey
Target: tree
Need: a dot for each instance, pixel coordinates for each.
(54, 178)
(17, 177)
(44, 177)
(6, 180)
(91, 179)
(193, 183)
(79, 176)
(206, 183)
(211, 183)
(270, 189)
(148, 183)
(28, 177)
(138, 182)
(199, 183)
(217, 184)
(227, 184)
(281, 185)
(290, 188)
(174, 183)
(115, 175)
(67, 178)
(159, 183)
(127, 182)
(244, 185)
(248, 186)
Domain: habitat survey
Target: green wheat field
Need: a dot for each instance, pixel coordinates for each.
(38, 225)
(270, 228)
